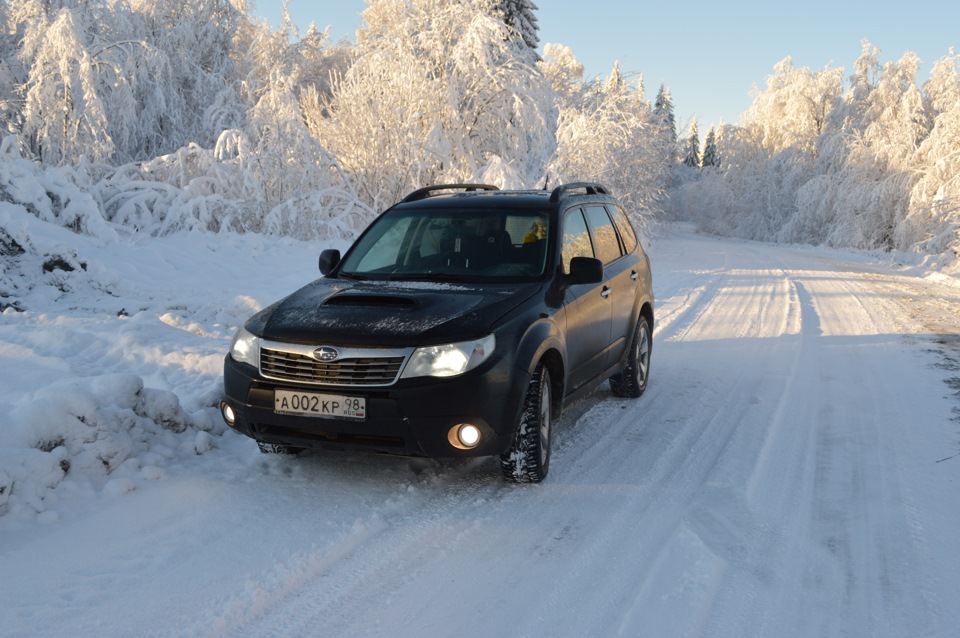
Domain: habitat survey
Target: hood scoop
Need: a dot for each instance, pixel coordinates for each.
(352, 300)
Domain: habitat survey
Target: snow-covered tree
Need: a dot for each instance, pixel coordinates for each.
(12, 75)
(792, 111)
(691, 153)
(897, 120)
(64, 118)
(209, 48)
(664, 118)
(710, 155)
(520, 17)
(564, 73)
(872, 163)
(932, 223)
(608, 136)
(873, 167)
(160, 73)
(438, 90)
(942, 89)
(321, 61)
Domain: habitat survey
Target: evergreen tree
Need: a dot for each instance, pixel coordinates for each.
(663, 115)
(519, 16)
(665, 127)
(710, 155)
(691, 156)
(615, 85)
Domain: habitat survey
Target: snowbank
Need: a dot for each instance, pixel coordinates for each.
(104, 433)
(112, 340)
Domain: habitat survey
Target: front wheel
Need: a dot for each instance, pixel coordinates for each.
(633, 380)
(528, 458)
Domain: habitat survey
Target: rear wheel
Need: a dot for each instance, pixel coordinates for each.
(528, 458)
(633, 380)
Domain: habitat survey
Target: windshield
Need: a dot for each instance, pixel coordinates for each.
(452, 245)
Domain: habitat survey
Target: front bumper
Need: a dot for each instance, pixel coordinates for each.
(413, 417)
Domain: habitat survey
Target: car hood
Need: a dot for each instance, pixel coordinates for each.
(388, 314)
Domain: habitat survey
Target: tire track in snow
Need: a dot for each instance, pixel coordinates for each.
(836, 538)
(671, 475)
(345, 571)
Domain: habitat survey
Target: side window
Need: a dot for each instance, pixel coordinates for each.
(604, 236)
(627, 236)
(576, 239)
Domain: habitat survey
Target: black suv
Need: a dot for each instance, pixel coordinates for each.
(457, 325)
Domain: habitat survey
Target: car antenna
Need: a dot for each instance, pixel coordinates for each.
(546, 182)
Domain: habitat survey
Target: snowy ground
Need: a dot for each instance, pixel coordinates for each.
(792, 469)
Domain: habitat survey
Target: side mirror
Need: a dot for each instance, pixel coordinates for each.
(586, 270)
(329, 260)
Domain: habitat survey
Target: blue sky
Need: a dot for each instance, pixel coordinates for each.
(709, 54)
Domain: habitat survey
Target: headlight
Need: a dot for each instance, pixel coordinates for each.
(245, 348)
(449, 360)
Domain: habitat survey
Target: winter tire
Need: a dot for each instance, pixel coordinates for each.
(528, 458)
(633, 380)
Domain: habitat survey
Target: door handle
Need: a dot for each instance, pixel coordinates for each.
(605, 292)
(634, 275)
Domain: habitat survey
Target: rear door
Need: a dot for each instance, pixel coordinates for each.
(621, 279)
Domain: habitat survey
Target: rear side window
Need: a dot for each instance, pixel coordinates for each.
(604, 235)
(627, 236)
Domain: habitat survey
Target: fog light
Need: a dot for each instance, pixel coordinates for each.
(228, 414)
(465, 436)
(468, 435)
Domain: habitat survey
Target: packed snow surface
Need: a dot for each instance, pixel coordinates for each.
(792, 469)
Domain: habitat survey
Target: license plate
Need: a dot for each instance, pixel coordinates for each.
(323, 406)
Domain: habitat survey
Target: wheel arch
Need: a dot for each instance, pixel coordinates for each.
(553, 362)
(646, 311)
(543, 343)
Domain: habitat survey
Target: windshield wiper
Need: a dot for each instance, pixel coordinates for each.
(352, 275)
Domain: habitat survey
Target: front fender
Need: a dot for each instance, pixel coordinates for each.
(544, 341)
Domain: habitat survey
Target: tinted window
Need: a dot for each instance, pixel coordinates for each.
(576, 239)
(604, 236)
(470, 244)
(627, 235)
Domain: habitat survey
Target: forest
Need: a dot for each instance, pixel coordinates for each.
(152, 116)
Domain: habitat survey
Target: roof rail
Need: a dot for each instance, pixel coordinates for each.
(426, 192)
(590, 188)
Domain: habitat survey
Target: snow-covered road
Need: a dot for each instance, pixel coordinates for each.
(792, 470)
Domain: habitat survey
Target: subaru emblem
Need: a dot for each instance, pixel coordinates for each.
(326, 353)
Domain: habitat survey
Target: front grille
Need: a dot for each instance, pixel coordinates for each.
(303, 368)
